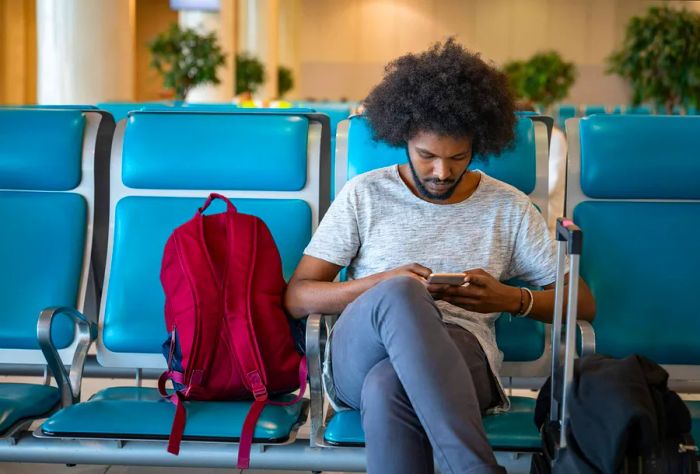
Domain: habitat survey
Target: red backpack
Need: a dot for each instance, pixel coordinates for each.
(229, 334)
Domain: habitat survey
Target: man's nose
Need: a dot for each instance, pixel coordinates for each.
(440, 170)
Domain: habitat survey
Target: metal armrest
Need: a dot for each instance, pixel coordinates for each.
(68, 384)
(316, 335)
(587, 337)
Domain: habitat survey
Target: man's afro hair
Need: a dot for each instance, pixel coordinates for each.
(445, 90)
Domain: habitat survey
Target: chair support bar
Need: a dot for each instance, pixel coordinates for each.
(68, 382)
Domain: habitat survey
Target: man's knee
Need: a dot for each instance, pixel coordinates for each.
(404, 293)
(401, 286)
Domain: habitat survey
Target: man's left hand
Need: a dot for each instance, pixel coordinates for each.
(480, 293)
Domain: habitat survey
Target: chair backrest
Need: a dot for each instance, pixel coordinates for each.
(564, 112)
(594, 109)
(337, 112)
(525, 167)
(47, 212)
(163, 165)
(632, 186)
(639, 110)
(120, 110)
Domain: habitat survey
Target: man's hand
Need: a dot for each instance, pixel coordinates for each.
(413, 270)
(480, 293)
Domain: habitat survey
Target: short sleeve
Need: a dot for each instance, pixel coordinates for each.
(534, 257)
(337, 239)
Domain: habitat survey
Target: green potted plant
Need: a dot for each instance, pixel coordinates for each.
(543, 79)
(250, 74)
(186, 58)
(660, 58)
(285, 81)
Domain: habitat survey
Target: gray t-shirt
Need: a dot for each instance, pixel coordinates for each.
(376, 224)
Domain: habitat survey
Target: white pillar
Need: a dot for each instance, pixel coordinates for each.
(222, 23)
(85, 51)
(259, 36)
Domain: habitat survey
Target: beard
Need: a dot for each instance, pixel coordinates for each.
(424, 191)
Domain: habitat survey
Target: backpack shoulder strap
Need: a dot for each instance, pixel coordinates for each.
(237, 304)
(242, 230)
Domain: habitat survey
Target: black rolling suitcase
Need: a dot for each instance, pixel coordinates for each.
(560, 451)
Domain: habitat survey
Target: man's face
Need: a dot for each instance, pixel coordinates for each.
(438, 163)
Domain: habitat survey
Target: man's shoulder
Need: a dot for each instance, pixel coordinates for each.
(372, 181)
(502, 191)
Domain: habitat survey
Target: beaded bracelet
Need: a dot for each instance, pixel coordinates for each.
(521, 313)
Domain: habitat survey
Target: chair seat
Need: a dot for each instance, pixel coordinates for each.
(22, 401)
(507, 431)
(140, 413)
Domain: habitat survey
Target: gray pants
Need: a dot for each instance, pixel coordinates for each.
(421, 385)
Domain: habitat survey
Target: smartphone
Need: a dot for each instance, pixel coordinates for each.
(456, 279)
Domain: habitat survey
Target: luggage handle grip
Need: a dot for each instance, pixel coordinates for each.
(229, 205)
(569, 232)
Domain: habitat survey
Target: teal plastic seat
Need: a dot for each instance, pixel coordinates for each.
(141, 413)
(23, 401)
(632, 187)
(517, 167)
(639, 110)
(45, 202)
(594, 109)
(164, 165)
(565, 112)
(513, 430)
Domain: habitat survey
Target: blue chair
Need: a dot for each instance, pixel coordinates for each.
(563, 113)
(49, 106)
(163, 165)
(633, 190)
(594, 109)
(46, 207)
(639, 110)
(337, 112)
(120, 110)
(525, 343)
(524, 167)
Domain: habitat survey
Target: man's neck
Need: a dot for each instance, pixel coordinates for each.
(466, 187)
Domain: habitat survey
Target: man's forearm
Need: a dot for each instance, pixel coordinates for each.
(543, 304)
(305, 297)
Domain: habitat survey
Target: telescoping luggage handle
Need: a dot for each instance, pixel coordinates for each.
(569, 241)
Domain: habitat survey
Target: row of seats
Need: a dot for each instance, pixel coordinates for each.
(563, 112)
(88, 219)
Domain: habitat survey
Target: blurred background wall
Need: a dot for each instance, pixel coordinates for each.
(335, 48)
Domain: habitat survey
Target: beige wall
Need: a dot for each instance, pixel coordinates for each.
(152, 17)
(345, 44)
(17, 52)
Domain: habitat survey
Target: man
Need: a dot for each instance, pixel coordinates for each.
(420, 361)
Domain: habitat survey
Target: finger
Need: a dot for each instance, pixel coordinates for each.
(476, 279)
(419, 269)
(463, 291)
(469, 304)
(438, 288)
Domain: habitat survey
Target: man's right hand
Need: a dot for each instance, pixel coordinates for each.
(412, 270)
